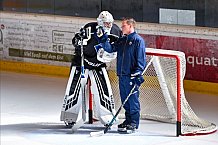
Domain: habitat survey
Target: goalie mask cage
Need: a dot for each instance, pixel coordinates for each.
(162, 96)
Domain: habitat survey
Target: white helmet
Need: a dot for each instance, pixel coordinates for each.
(103, 17)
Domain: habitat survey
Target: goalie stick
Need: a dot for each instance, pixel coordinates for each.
(82, 35)
(100, 133)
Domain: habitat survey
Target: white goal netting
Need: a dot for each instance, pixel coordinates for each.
(158, 94)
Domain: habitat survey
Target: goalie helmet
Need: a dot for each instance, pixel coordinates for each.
(105, 20)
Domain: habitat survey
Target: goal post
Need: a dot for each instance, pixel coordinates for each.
(157, 53)
(162, 96)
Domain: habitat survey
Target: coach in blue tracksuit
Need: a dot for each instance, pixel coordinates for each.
(131, 61)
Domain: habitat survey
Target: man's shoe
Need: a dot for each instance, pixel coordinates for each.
(130, 129)
(122, 127)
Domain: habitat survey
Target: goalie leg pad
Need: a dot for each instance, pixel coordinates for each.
(72, 104)
(102, 95)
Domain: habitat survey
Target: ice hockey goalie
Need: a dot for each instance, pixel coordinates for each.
(75, 103)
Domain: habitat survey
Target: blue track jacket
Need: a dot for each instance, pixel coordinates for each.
(131, 57)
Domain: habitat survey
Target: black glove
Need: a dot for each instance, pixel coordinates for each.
(102, 35)
(138, 80)
(76, 41)
(82, 33)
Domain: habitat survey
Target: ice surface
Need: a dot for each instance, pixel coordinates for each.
(30, 111)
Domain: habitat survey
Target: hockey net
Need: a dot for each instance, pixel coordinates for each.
(162, 96)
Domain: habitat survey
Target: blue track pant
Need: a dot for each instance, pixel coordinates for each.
(132, 106)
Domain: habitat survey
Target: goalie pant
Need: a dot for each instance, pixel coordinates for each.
(102, 96)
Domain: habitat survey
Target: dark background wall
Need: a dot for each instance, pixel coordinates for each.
(142, 10)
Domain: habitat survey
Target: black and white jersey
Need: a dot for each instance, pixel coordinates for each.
(90, 55)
